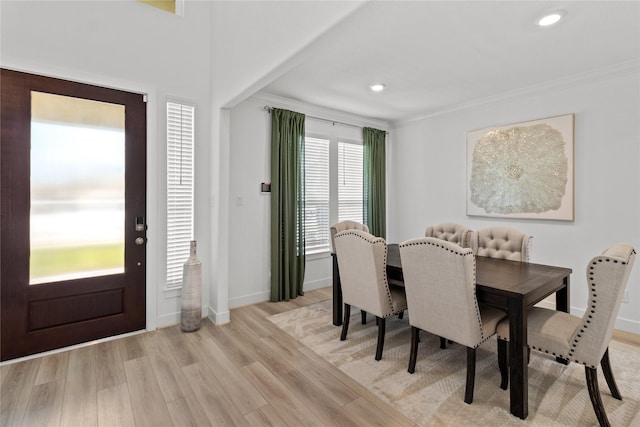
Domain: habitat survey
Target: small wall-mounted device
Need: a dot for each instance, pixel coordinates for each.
(265, 187)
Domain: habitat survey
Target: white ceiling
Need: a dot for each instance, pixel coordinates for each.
(439, 55)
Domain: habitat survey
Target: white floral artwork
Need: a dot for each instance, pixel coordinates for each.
(523, 170)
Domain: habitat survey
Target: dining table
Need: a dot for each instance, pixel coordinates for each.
(512, 286)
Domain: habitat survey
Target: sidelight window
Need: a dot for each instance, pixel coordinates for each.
(180, 186)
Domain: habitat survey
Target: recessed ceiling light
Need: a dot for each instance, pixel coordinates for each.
(377, 87)
(550, 19)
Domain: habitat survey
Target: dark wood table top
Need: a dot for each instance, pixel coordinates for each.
(532, 282)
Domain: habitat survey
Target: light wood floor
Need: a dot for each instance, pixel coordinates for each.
(246, 373)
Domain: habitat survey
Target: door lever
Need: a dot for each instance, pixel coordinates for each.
(140, 225)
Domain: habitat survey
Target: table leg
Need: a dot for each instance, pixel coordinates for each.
(518, 370)
(562, 304)
(337, 293)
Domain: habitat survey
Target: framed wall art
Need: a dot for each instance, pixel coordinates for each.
(522, 170)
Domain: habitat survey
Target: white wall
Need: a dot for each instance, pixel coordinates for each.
(249, 217)
(215, 55)
(135, 47)
(253, 43)
(428, 179)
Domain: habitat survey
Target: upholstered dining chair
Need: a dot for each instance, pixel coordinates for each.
(345, 225)
(439, 278)
(501, 242)
(362, 259)
(450, 232)
(584, 340)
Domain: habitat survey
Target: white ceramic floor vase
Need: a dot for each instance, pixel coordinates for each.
(191, 313)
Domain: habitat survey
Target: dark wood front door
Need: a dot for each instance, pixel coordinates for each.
(73, 209)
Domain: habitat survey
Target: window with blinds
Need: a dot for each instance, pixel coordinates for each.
(180, 141)
(316, 209)
(350, 182)
(325, 202)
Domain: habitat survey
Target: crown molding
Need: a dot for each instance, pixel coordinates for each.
(615, 70)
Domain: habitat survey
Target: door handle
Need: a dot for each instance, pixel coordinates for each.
(140, 225)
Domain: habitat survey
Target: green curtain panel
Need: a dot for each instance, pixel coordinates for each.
(374, 154)
(287, 204)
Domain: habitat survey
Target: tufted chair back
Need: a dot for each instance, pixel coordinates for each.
(362, 260)
(502, 242)
(345, 225)
(451, 232)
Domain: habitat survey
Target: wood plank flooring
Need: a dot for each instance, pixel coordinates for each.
(245, 373)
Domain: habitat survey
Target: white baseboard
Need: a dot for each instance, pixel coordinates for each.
(168, 320)
(174, 318)
(266, 295)
(219, 318)
(317, 284)
(249, 299)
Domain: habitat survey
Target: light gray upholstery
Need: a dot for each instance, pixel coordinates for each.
(585, 339)
(345, 225)
(451, 232)
(501, 242)
(440, 285)
(362, 262)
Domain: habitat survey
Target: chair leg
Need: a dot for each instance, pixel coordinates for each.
(443, 343)
(413, 355)
(364, 317)
(503, 363)
(381, 324)
(401, 315)
(345, 322)
(471, 375)
(594, 394)
(608, 375)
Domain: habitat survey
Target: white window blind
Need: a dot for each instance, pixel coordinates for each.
(180, 141)
(350, 182)
(316, 175)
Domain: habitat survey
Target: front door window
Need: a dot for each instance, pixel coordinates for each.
(77, 188)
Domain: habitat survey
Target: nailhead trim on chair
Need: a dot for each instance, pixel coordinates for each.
(576, 340)
(440, 246)
(528, 248)
(394, 311)
(594, 295)
(468, 252)
(343, 226)
(479, 318)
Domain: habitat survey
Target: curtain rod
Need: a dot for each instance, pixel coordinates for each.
(268, 110)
